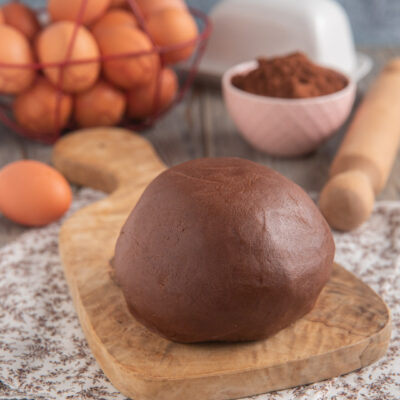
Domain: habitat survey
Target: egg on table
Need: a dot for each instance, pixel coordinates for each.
(124, 68)
(33, 193)
(114, 17)
(141, 101)
(172, 27)
(101, 105)
(22, 18)
(42, 109)
(1, 16)
(54, 46)
(69, 10)
(15, 49)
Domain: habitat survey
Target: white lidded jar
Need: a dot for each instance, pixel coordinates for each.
(247, 29)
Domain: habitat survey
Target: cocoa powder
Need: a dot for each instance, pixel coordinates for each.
(292, 76)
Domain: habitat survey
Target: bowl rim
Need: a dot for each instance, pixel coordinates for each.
(249, 65)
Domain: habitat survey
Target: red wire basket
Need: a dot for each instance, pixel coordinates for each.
(189, 67)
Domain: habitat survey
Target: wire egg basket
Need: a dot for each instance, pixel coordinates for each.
(187, 71)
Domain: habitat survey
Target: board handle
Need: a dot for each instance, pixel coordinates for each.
(106, 158)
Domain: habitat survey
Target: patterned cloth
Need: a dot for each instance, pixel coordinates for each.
(44, 355)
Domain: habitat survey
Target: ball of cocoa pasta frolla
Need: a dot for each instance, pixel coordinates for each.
(222, 249)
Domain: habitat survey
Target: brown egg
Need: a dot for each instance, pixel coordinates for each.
(53, 45)
(1, 17)
(15, 49)
(141, 100)
(148, 7)
(119, 3)
(21, 18)
(101, 105)
(42, 109)
(132, 71)
(112, 18)
(33, 193)
(171, 27)
(69, 10)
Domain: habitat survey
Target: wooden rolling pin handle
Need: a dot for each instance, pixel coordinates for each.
(347, 200)
(363, 163)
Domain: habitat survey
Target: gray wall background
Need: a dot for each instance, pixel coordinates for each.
(374, 22)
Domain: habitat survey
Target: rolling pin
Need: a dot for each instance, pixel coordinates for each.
(365, 158)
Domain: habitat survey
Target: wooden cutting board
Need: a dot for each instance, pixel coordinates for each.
(348, 329)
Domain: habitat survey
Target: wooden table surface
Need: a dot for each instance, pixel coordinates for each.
(201, 127)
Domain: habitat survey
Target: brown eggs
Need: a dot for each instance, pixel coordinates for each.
(32, 193)
(127, 70)
(54, 46)
(112, 18)
(69, 59)
(142, 102)
(21, 18)
(69, 10)
(42, 109)
(119, 3)
(101, 105)
(170, 27)
(15, 50)
(148, 7)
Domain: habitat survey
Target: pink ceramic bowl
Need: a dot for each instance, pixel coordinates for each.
(285, 127)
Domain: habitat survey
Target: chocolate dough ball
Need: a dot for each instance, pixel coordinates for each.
(222, 249)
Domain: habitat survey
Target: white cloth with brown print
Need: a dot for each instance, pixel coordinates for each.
(44, 355)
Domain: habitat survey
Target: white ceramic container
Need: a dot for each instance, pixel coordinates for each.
(246, 29)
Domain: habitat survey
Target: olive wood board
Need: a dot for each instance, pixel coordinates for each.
(348, 329)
